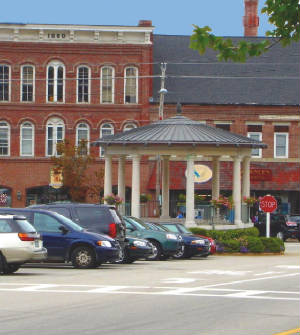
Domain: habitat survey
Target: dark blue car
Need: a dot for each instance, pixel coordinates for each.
(193, 245)
(66, 241)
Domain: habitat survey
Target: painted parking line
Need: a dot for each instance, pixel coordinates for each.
(200, 291)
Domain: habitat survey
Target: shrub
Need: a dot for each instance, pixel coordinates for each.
(226, 234)
(255, 244)
(272, 244)
(231, 245)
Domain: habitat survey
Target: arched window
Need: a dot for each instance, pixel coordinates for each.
(83, 84)
(131, 85)
(4, 139)
(27, 83)
(27, 139)
(83, 134)
(55, 134)
(55, 82)
(4, 82)
(105, 130)
(107, 85)
(129, 126)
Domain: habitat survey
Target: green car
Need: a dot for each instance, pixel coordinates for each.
(165, 244)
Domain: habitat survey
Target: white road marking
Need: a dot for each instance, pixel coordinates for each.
(267, 273)
(221, 272)
(253, 279)
(288, 266)
(201, 291)
(178, 280)
(35, 287)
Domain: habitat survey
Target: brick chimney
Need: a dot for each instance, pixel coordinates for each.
(145, 23)
(251, 19)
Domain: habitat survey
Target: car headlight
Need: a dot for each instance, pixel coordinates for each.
(199, 242)
(106, 244)
(171, 237)
(139, 243)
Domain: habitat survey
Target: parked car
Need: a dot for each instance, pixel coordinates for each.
(67, 241)
(193, 245)
(165, 244)
(281, 226)
(103, 219)
(136, 248)
(19, 243)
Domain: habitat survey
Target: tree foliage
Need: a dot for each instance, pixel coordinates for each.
(74, 162)
(283, 14)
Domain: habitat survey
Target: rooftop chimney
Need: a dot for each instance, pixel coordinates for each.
(145, 23)
(251, 20)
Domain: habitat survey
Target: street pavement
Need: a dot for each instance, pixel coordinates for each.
(234, 295)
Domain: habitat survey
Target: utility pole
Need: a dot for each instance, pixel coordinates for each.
(162, 92)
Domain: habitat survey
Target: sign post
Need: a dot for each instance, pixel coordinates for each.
(268, 204)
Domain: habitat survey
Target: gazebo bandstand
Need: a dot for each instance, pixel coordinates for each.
(177, 138)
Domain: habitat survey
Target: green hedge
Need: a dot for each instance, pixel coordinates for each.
(241, 240)
(226, 234)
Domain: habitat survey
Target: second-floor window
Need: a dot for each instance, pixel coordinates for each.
(27, 139)
(4, 82)
(281, 145)
(55, 82)
(131, 85)
(55, 134)
(27, 83)
(256, 152)
(83, 84)
(107, 85)
(4, 139)
(83, 135)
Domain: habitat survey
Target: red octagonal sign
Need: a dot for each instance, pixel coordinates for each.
(268, 204)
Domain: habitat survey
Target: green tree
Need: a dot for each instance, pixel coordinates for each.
(283, 14)
(74, 162)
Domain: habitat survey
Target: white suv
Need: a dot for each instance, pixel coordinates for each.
(19, 243)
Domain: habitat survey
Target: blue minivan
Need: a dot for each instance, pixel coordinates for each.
(66, 241)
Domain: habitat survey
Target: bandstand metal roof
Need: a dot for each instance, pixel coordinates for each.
(179, 130)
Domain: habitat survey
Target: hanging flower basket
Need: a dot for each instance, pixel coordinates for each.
(222, 202)
(113, 199)
(250, 201)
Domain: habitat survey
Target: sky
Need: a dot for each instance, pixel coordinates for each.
(170, 17)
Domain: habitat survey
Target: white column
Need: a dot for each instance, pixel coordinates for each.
(121, 178)
(165, 187)
(135, 186)
(190, 207)
(215, 178)
(246, 176)
(236, 189)
(107, 175)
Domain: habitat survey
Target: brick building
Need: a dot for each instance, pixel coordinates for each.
(82, 82)
(65, 81)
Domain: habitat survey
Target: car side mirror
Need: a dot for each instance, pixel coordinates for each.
(63, 229)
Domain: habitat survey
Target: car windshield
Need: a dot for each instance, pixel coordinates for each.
(138, 222)
(69, 222)
(293, 218)
(172, 227)
(184, 229)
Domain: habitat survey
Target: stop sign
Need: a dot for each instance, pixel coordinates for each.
(268, 204)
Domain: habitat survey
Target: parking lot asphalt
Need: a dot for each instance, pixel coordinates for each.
(217, 295)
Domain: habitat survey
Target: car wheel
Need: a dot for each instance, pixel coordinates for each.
(83, 258)
(280, 235)
(11, 268)
(180, 253)
(157, 251)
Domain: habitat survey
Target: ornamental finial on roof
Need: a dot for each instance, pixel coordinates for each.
(178, 108)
